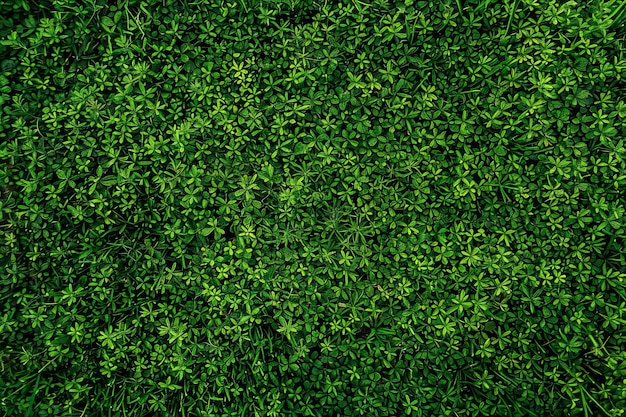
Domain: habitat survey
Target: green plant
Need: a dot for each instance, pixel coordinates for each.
(302, 208)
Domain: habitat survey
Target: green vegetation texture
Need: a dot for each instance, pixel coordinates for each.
(312, 209)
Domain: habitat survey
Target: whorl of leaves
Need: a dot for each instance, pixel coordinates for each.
(304, 209)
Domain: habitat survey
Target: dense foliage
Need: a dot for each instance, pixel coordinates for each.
(305, 209)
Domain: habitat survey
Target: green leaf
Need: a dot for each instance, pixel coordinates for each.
(300, 148)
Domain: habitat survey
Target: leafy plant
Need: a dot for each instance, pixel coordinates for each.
(303, 208)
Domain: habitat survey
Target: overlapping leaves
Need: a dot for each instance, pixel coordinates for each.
(312, 209)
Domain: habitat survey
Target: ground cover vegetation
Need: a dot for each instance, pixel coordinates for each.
(214, 208)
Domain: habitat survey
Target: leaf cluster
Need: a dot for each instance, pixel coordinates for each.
(290, 208)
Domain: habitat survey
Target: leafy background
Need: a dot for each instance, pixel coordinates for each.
(296, 208)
